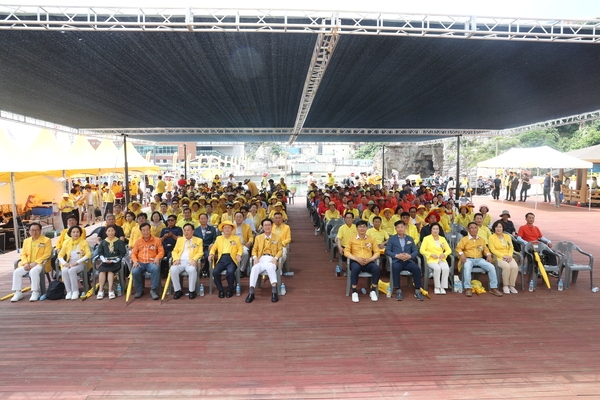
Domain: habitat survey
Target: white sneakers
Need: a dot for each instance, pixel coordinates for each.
(505, 290)
(436, 291)
(512, 290)
(17, 296)
(100, 295)
(374, 295)
(442, 290)
(111, 295)
(35, 296)
(75, 295)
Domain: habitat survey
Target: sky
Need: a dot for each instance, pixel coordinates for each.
(544, 9)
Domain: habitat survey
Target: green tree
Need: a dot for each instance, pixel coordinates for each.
(367, 151)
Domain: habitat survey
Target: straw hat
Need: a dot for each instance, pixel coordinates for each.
(222, 224)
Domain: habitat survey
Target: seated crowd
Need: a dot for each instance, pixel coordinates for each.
(416, 221)
(190, 229)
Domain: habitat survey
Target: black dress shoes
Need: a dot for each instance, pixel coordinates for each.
(177, 294)
(192, 295)
(274, 298)
(221, 294)
(229, 294)
(250, 298)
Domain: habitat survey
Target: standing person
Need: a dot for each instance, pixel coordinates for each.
(108, 198)
(73, 259)
(497, 186)
(508, 182)
(310, 180)
(525, 185)
(547, 187)
(66, 207)
(161, 186)
(36, 249)
(514, 183)
(557, 190)
(111, 251)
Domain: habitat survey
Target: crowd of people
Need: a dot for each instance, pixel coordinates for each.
(186, 226)
(414, 221)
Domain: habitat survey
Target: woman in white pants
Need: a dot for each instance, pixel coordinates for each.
(73, 258)
(435, 249)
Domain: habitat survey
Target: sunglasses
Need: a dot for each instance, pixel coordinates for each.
(171, 219)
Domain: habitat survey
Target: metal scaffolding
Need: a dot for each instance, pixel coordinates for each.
(191, 19)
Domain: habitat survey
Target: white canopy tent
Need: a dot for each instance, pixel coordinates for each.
(545, 157)
(535, 157)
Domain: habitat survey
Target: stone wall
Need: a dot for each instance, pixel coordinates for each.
(411, 158)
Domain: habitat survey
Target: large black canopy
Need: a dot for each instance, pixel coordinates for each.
(246, 80)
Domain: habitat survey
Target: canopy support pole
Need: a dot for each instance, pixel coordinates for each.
(185, 161)
(13, 189)
(458, 167)
(126, 177)
(383, 166)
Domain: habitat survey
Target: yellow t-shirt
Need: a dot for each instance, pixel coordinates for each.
(345, 233)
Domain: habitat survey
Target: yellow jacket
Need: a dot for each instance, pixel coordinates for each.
(215, 219)
(284, 232)
(84, 250)
(128, 227)
(463, 220)
(500, 249)
(429, 247)
(247, 236)
(283, 214)
(233, 245)
(388, 224)
(413, 232)
(63, 236)
(273, 246)
(195, 251)
(135, 234)
(37, 251)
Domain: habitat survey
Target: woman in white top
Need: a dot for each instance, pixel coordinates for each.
(73, 258)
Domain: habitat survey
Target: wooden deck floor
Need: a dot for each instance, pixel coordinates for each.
(315, 343)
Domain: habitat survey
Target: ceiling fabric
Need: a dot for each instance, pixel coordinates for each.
(93, 80)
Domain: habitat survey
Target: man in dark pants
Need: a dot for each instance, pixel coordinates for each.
(208, 234)
(514, 183)
(497, 185)
(362, 251)
(403, 251)
(547, 187)
(169, 236)
(229, 249)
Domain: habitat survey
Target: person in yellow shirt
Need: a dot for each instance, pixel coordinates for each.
(228, 215)
(501, 246)
(136, 232)
(119, 216)
(214, 218)
(388, 220)
(186, 255)
(436, 251)
(128, 225)
(73, 258)
(463, 218)
(35, 255)
(368, 211)
(471, 249)
(157, 224)
(282, 230)
(266, 253)
(64, 235)
(108, 198)
(197, 209)
(244, 232)
(187, 219)
(278, 208)
(487, 219)
(330, 180)
(332, 213)
(66, 207)
(380, 236)
(350, 208)
(409, 228)
(362, 251)
(483, 231)
(229, 249)
(161, 186)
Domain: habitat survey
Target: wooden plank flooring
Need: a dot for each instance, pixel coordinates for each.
(315, 343)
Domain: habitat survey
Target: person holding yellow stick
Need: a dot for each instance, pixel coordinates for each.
(37, 249)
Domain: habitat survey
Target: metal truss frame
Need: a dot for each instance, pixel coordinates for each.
(191, 19)
(284, 133)
(322, 53)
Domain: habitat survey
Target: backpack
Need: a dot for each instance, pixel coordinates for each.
(56, 291)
